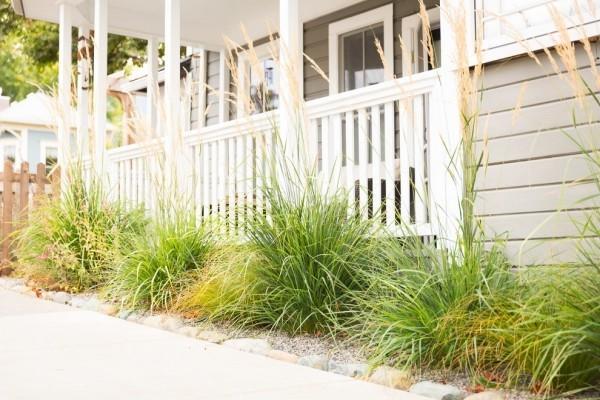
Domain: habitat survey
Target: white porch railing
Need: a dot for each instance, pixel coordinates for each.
(135, 173)
(375, 142)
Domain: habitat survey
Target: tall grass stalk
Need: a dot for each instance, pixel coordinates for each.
(71, 240)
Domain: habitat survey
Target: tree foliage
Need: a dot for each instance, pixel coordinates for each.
(29, 52)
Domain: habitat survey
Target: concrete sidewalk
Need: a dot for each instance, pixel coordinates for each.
(49, 351)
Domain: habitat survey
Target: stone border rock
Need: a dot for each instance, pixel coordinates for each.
(383, 375)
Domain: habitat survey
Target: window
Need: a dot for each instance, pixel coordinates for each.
(354, 60)
(512, 27)
(412, 35)
(10, 153)
(49, 155)
(258, 78)
(361, 64)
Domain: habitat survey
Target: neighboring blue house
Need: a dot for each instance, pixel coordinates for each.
(27, 131)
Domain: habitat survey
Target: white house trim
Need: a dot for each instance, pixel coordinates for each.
(64, 84)
(100, 81)
(44, 146)
(152, 85)
(384, 14)
(534, 37)
(8, 143)
(413, 40)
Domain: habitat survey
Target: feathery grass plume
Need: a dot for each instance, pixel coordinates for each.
(71, 241)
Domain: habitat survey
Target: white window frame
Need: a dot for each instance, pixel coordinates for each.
(244, 64)
(10, 142)
(535, 37)
(385, 15)
(412, 39)
(44, 145)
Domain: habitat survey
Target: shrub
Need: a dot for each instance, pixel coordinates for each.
(301, 265)
(71, 242)
(431, 309)
(162, 262)
(557, 331)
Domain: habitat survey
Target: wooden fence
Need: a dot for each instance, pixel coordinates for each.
(20, 192)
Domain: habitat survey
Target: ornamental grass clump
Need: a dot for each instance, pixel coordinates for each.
(301, 264)
(162, 262)
(431, 308)
(72, 241)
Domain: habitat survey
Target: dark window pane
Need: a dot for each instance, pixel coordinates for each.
(352, 76)
(374, 72)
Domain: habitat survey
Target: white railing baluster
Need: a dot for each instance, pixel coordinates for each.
(197, 181)
(420, 190)
(377, 147)
(326, 162)
(390, 166)
(205, 181)
(259, 162)
(313, 147)
(121, 181)
(405, 184)
(231, 182)
(336, 152)
(222, 182)
(363, 163)
(214, 178)
(350, 162)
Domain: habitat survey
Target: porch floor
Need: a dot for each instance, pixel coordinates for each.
(56, 352)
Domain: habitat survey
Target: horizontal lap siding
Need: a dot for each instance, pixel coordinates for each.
(534, 189)
(212, 81)
(316, 40)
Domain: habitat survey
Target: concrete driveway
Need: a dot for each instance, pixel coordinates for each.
(54, 352)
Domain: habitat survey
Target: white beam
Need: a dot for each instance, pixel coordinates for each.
(83, 85)
(172, 87)
(290, 88)
(100, 81)
(152, 86)
(64, 87)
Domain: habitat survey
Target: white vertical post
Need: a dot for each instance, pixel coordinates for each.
(83, 85)
(152, 90)
(64, 88)
(223, 89)
(172, 91)
(202, 89)
(290, 87)
(448, 189)
(100, 81)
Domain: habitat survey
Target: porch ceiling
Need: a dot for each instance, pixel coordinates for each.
(203, 22)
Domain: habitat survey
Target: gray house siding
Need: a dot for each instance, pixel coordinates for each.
(316, 40)
(212, 80)
(533, 190)
(35, 139)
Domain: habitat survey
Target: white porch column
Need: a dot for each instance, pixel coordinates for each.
(290, 88)
(152, 90)
(449, 136)
(172, 90)
(83, 86)
(100, 82)
(64, 88)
